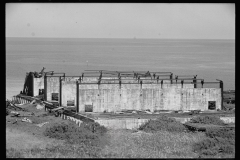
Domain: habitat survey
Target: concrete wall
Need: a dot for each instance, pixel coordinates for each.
(154, 99)
(113, 97)
(38, 83)
(69, 90)
(133, 123)
(122, 123)
(52, 87)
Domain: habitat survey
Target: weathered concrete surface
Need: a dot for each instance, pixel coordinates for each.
(52, 87)
(228, 119)
(112, 100)
(69, 90)
(122, 123)
(115, 97)
(182, 119)
(88, 86)
(224, 119)
(133, 123)
(38, 83)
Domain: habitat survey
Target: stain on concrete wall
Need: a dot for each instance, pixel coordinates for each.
(69, 90)
(38, 84)
(88, 86)
(52, 87)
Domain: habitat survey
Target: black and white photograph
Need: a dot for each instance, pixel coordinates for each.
(120, 80)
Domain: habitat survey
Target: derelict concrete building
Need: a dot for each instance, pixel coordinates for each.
(111, 91)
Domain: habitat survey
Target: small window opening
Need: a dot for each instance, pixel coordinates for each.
(88, 108)
(211, 105)
(55, 96)
(70, 103)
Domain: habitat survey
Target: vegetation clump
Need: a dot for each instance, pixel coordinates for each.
(89, 133)
(207, 120)
(163, 123)
(218, 141)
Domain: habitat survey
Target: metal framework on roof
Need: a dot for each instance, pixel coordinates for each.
(141, 76)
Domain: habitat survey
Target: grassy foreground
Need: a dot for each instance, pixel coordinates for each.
(161, 138)
(121, 144)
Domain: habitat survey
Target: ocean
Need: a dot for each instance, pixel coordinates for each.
(208, 59)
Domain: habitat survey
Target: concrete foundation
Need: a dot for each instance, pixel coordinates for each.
(135, 123)
(122, 123)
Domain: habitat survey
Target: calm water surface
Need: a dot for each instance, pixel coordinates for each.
(209, 59)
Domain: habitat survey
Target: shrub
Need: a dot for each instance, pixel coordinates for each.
(13, 153)
(204, 145)
(211, 152)
(94, 127)
(163, 123)
(57, 130)
(88, 133)
(220, 140)
(207, 120)
(222, 132)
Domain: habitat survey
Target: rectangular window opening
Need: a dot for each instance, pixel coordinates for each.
(54, 96)
(88, 108)
(211, 105)
(70, 103)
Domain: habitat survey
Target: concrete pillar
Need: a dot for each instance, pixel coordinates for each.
(195, 81)
(120, 82)
(60, 91)
(202, 82)
(221, 86)
(182, 83)
(77, 96)
(82, 76)
(45, 87)
(171, 77)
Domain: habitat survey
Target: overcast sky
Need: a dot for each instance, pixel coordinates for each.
(121, 20)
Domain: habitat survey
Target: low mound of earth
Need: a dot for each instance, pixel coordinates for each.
(25, 135)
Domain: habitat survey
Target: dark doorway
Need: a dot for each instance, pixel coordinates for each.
(211, 105)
